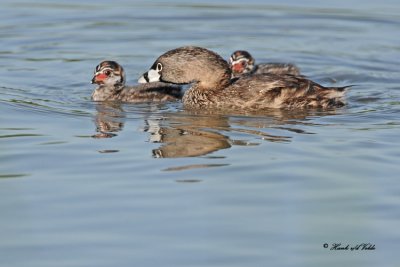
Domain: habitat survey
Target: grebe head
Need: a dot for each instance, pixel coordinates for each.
(109, 73)
(241, 62)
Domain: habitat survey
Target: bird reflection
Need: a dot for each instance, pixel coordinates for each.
(109, 119)
(193, 133)
(189, 142)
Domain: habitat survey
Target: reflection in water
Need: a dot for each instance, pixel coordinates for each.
(189, 181)
(189, 136)
(194, 133)
(13, 175)
(108, 119)
(189, 142)
(108, 151)
(194, 166)
(152, 126)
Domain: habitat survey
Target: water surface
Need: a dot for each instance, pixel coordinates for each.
(89, 184)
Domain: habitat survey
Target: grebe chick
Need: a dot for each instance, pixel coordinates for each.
(110, 78)
(242, 62)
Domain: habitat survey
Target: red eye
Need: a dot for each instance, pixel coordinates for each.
(107, 72)
(243, 63)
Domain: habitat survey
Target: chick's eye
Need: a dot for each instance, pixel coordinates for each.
(107, 72)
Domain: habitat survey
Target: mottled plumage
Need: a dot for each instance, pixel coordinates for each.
(213, 88)
(110, 77)
(242, 62)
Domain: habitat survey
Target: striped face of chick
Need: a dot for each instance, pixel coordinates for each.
(241, 62)
(109, 73)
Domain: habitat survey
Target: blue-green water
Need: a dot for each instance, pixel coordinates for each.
(86, 184)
